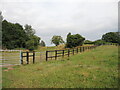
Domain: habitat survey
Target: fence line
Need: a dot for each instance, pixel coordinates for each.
(32, 57)
(9, 57)
(17, 57)
(27, 56)
(9, 50)
(68, 52)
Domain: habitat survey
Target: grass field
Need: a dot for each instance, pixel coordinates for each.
(96, 68)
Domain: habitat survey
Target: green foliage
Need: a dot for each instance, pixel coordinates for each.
(29, 30)
(113, 37)
(88, 42)
(99, 42)
(1, 18)
(42, 43)
(74, 40)
(14, 36)
(30, 45)
(33, 42)
(57, 40)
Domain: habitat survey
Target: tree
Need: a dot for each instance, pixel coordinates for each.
(32, 40)
(30, 45)
(74, 40)
(13, 35)
(1, 18)
(112, 37)
(29, 30)
(42, 43)
(57, 40)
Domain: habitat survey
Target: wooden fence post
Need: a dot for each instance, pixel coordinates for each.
(68, 52)
(21, 57)
(83, 49)
(77, 50)
(63, 54)
(55, 54)
(80, 49)
(33, 57)
(46, 55)
(27, 57)
(73, 51)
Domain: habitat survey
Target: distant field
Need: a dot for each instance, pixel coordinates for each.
(50, 48)
(96, 68)
(59, 47)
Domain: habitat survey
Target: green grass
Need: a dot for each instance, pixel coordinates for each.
(96, 68)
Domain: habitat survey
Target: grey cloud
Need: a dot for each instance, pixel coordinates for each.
(59, 17)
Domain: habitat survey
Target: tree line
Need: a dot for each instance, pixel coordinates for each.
(78, 40)
(15, 35)
(107, 38)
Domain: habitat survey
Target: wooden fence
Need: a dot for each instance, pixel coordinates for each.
(68, 52)
(27, 55)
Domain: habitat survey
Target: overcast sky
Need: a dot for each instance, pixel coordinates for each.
(89, 18)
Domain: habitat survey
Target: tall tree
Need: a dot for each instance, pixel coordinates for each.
(57, 40)
(32, 40)
(74, 40)
(29, 30)
(13, 35)
(112, 37)
(42, 43)
(1, 18)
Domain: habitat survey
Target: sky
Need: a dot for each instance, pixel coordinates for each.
(89, 18)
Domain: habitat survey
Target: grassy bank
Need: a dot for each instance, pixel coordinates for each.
(91, 69)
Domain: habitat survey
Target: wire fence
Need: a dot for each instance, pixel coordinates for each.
(10, 57)
(40, 56)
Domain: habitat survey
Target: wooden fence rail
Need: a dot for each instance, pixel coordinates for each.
(62, 53)
(27, 55)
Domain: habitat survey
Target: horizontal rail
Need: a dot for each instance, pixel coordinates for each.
(50, 56)
(68, 52)
(10, 50)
